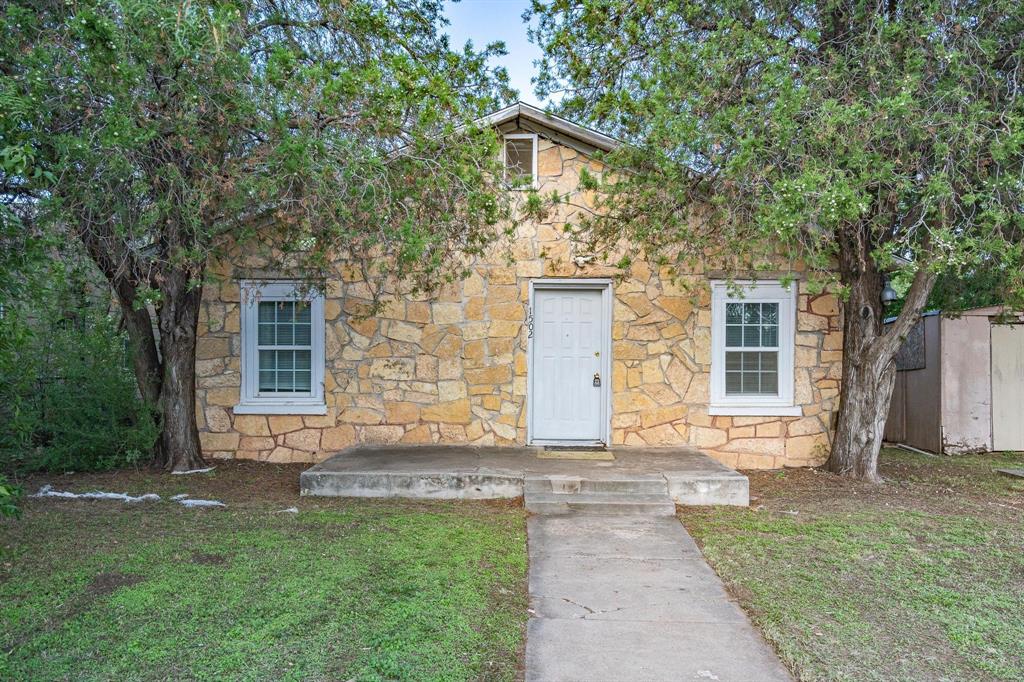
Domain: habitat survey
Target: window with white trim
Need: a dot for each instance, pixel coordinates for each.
(282, 349)
(752, 347)
(521, 159)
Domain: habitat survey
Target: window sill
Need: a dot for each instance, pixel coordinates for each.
(726, 410)
(280, 407)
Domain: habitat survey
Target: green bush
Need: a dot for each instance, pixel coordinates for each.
(10, 494)
(68, 398)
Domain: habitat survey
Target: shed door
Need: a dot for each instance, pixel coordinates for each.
(567, 354)
(1007, 387)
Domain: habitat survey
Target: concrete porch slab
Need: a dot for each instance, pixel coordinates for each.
(477, 473)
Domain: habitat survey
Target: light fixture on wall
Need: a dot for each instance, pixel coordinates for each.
(889, 294)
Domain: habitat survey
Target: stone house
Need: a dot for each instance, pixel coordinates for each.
(550, 347)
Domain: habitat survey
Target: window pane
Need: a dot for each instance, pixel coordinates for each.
(285, 359)
(733, 336)
(302, 335)
(769, 313)
(769, 361)
(769, 383)
(285, 336)
(268, 381)
(751, 337)
(302, 380)
(284, 381)
(734, 313)
(733, 383)
(266, 335)
(285, 311)
(266, 359)
(769, 336)
(302, 359)
(732, 361)
(751, 313)
(302, 312)
(751, 383)
(267, 311)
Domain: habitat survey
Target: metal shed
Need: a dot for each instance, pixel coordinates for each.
(960, 383)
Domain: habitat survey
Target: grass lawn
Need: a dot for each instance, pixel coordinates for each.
(919, 578)
(342, 590)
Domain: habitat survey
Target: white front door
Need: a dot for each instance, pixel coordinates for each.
(569, 349)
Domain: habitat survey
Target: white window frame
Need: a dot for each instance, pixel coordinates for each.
(504, 158)
(747, 291)
(251, 401)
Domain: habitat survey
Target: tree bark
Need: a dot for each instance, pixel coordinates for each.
(869, 351)
(179, 448)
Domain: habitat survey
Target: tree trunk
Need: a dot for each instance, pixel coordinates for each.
(179, 448)
(869, 351)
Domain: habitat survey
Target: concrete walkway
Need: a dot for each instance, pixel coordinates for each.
(623, 598)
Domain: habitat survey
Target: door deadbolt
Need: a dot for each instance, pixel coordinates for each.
(597, 378)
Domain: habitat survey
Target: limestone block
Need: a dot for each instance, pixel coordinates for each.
(760, 446)
(451, 433)
(473, 285)
(679, 307)
(807, 447)
(826, 304)
(662, 415)
(383, 434)
(452, 412)
(549, 162)
(704, 437)
(401, 412)
(489, 376)
(639, 332)
(225, 397)
(769, 430)
(255, 443)
(395, 369)
(218, 441)
(210, 347)
(304, 439)
(447, 313)
(417, 311)
(652, 371)
(504, 328)
(628, 350)
(359, 415)
(332, 309)
(418, 434)
(426, 368)
(808, 322)
(504, 430)
(284, 423)
(402, 331)
(338, 437)
(251, 425)
(448, 391)
(217, 419)
(660, 435)
(506, 311)
(805, 426)
(280, 455)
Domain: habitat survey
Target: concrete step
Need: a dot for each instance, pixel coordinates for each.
(600, 503)
(571, 485)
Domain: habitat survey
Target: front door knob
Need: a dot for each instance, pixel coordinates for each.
(597, 378)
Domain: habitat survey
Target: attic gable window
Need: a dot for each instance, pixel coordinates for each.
(521, 159)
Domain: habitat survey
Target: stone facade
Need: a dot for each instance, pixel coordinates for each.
(452, 368)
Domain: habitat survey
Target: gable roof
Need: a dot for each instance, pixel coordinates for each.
(527, 117)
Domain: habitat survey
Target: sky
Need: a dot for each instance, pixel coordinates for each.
(485, 21)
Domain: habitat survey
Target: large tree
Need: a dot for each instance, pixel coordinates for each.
(170, 131)
(865, 139)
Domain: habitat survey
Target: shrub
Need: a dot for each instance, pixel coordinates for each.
(10, 494)
(68, 399)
